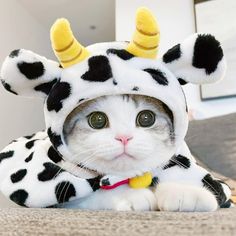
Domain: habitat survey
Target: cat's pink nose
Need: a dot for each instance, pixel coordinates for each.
(123, 139)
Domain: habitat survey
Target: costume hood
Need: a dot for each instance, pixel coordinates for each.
(133, 67)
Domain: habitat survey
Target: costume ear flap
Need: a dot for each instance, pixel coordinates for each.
(199, 59)
(28, 74)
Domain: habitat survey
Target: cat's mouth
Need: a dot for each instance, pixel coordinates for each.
(124, 155)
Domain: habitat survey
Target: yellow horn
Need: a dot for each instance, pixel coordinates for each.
(146, 37)
(67, 49)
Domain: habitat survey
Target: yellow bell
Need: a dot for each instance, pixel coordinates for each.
(142, 181)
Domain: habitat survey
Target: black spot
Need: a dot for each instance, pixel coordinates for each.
(114, 82)
(207, 53)
(13, 141)
(29, 136)
(99, 69)
(105, 182)
(179, 160)
(94, 183)
(60, 66)
(216, 188)
(55, 138)
(59, 92)
(182, 81)
(227, 204)
(172, 54)
(29, 158)
(14, 53)
(51, 171)
(186, 105)
(169, 113)
(81, 100)
(8, 87)
(54, 155)
(158, 76)
(18, 176)
(45, 87)
(169, 165)
(64, 191)
(222, 182)
(5, 155)
(121, 53)
(81, 165)
(31, 70)
(51, 206)
(19, 197)
(30, 144)
(155, 181)
(135, 88)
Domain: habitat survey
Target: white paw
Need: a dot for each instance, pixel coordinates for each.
(182, 197)
(123, 205)
(136, 200)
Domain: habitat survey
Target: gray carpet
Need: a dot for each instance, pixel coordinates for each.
(20, 221)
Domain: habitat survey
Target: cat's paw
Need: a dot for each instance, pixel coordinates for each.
(123, 205)
(182, 197)
(137, 200)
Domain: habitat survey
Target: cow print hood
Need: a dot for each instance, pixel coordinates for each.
(85, 73)
(110, 69)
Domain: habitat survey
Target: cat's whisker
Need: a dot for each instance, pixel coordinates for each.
(178, 163)
(88, 160)
(67, 187)
(89, 150)
(55, 177)
(85, 152)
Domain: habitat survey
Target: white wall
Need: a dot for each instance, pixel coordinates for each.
(19, 116)
(176, 20)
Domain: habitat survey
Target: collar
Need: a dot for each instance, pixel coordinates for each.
(109, 182)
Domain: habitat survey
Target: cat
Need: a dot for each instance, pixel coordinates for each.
(127, 135)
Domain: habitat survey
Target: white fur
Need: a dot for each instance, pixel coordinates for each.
(183, 197)
(165, 197)
(98, 149)
(120, 199)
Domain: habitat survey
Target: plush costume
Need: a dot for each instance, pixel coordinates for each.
(33, 170)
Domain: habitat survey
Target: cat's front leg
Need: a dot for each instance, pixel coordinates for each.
(183, 197)
(136, 200)
(122, 198)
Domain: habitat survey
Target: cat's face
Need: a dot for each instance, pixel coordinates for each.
(120, 135)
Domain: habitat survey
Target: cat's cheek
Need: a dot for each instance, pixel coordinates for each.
(163, 155)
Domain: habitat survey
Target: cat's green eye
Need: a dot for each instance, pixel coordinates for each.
(98, 120)
(145, 118)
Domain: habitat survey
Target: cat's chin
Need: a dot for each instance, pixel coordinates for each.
(124, 156)
(125, 163)
(124, 166)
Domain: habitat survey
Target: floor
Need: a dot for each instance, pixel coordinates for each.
(23, 221)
